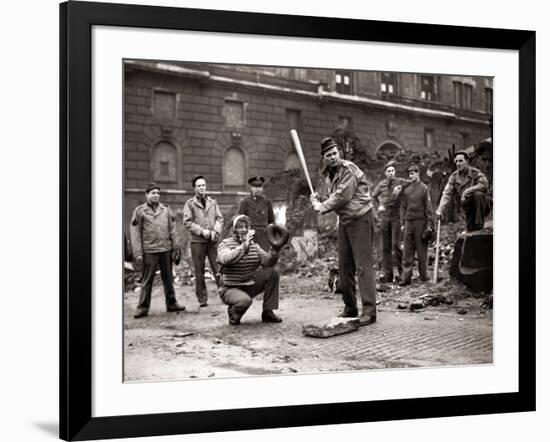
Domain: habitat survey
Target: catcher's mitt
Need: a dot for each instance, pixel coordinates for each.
(277, 235)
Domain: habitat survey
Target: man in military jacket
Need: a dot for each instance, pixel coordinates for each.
(390, 224)
(468, 185)
(259, 210)
(202, 217)
(154, 237)
(348, 195)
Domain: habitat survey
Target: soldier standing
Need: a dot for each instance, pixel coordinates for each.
(390, 224)
(154, 238)
(416, 215)
(202, 217)
(347, 194)
(259, 210)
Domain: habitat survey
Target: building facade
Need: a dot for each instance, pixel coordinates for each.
(231, 122)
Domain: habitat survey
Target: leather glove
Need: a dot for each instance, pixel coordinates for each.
(277, 236)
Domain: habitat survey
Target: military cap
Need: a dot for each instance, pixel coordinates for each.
(327, 143)
(198, 177)
(389, 164)
(256, 180)
(413, 167)
(151, 187)
(461, 152)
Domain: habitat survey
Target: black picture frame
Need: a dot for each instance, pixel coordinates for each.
(76, 21)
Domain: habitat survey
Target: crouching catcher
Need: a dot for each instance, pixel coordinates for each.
(247, 270)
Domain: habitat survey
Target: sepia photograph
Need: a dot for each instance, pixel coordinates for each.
(294, 220)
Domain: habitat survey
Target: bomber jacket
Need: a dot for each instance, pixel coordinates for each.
(472, 181)
(416, 203)
(347, 193)
(197, 218)
(383, 194)
(153, 230)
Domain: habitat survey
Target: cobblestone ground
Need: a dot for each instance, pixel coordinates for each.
(199, 343)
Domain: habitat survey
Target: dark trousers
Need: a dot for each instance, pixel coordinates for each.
(390, 235)
(476, 207)
(199, 252)
(151, 261)
(413, 242)
(355, 255)
(239, 298)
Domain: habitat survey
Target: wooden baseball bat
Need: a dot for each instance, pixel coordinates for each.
(436, 263)
(300, 153)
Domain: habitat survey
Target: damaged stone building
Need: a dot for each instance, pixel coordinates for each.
(229, 122)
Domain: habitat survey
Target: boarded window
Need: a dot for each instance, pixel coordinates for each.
(293, 119)
(164, 163)
(428, 137)
(164, 104)
(292, 161)
(344, 123)
(233, 112)
(465, 140)
(234, 168)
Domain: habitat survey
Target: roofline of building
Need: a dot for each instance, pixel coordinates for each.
(190, 192)
(320, 95)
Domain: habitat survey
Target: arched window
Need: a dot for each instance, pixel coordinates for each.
(234, 169)
(387, 150)
(292, 161)
(164, 163)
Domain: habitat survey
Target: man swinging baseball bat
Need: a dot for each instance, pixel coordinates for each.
(345, 191)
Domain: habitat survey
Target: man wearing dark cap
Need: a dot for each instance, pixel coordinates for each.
(345, 191)
(390, 224)
(416, 214)
(259, 209)
(154, 238)
(469, 185)
(202, 217)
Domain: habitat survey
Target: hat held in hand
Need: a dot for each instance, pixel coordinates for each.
(278, 235)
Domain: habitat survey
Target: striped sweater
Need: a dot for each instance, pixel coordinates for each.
(238, 266)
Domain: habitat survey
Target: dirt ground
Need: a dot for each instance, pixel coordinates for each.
(424, 324)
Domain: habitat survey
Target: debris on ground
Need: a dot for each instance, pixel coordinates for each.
(332, 327)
